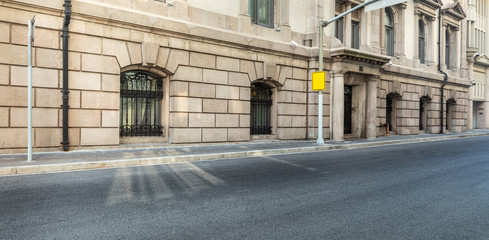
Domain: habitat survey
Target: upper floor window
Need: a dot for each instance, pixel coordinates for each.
(355, 34)
(261, 12)
(421, 42)
(338, 29)
(447, 49)
(140, 110)
(389, 32)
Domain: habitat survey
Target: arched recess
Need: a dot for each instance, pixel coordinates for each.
(424, 108)
(391, 110)
(263, 109)
(144, 104)
(449, 112)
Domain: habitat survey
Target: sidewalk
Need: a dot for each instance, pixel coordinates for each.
(140, 155)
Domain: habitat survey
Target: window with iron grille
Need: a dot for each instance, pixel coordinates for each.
(261, 103)
(140, 110)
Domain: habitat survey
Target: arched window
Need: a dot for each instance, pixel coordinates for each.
(447, 49)
(261, 102)
(140, 111)
(421, 42)
(389, 32)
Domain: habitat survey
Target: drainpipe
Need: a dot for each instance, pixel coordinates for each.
(65, 90)
(445, 76)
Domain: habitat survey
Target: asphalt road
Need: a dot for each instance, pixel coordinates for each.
(434, 190)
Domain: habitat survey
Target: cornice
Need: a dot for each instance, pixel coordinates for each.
(359, 56)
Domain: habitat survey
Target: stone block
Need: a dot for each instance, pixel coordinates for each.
(284, 121)
(99, 136)
(12, 138)
(41, 77)
(4, 74)
(48, 97)
(74, 61)
(245, 93)
(244, 121)
(111, 83)
(299, 73)
(118, 49)
(101, 64)
(295, 85)
(227, 92)
(47, 137)
(299, 97)
(13, 54)
(163, 55)
(47, 38)
(19, 34)
(291, 109)
(201, 120)
(84, 118)
(214, 76)
(185, 135)
(239, 79)
(4, 116)
(291, 133)
(75, 99)
(110, 118)
(41, 117)
(13, 96)
(202, 60)
(84, 80)
(285, 73)
(178, 88)
(85, 43)
(239, 107)
(150, 53)
(177, 58)
(227, 120)
(215, 106)
(249, 68)
(286, 97)
(298, 121)
(48, 58)
(183, 104)
(214, 135)
(238, 134)
(228, 64)
(100, 100)
(179, 120)
(135, 52)
(5, 30)
(202, 90)
(185, 73)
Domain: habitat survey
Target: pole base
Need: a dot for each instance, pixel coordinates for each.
(320, 141)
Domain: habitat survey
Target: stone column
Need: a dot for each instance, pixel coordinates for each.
(399, 40)
(372, 107)
(338, 106)
(244, 8)
(470, 109)
(284, 13)
(486, 102)
(417, 17)
(347, 33)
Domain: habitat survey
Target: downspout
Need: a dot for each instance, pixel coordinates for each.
(65, 90)
(445, 76)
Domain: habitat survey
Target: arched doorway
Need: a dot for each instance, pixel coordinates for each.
(423, 113)
(450, 104)
(261, 109)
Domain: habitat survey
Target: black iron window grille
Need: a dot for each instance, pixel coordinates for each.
(261, 104)
(140, 114)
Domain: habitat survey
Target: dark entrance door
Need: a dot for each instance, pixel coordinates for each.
(421, 114)
(347, 112)
(388, 112)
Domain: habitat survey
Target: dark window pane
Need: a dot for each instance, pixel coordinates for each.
(355, 31)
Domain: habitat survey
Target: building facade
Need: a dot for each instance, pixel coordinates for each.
(195, 71)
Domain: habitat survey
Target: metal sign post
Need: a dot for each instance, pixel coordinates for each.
(30, 40)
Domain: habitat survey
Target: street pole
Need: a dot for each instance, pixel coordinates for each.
(322, 25)
(30, 40)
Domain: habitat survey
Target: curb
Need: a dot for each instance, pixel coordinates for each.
(63, 167)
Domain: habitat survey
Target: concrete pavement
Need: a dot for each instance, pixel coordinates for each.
(141, 155)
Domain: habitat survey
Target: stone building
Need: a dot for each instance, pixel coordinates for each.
(478, 60)
(195, 71)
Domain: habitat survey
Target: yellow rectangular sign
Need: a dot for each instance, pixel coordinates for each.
(318, 81)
